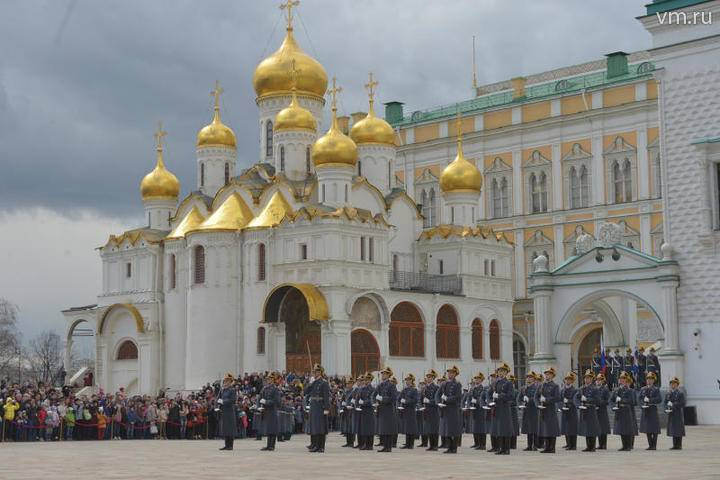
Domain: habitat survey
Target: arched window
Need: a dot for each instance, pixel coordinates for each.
(574, 188)
(617, 183)
(307, 160)
(433, 206)
(395, 265)
(199, 271)
(494, 340)
(627, 181)
(584, 187)
(346, 193)
(477, 339)
(658, 177)
(323, 193)
(519, 358)
(359, 164)
(202, 174)
(407, 332)
(282, 158)
(127, 351)
(496, 199)
(452, 214)
(261, 341)
(534, 194)
(269, 139)
(424, 201)
(173, 271)
(261, 262)
(389, 174)
(504, 197)
(227, 173)
(447, 335)
(543, 192)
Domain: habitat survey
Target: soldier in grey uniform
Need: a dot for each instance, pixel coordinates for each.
(503, 396)
(652, 364)
(348, 407)
(228, 421)
(407, 404)
(616, 366)
(526, 402)
(603, 399)
(364, 412)
(317, 399)
(546, 398)
(419, 415)
(649, 399)
(489, 408)
(450, 398)
(386, 398)
(674, 405)
(479, 427)
(586, 399)
(268, 403)
(642, 366)
(514, 414)
(441, 426)
(569, 420)
(394, 381)
(431, 416)
(624, 402)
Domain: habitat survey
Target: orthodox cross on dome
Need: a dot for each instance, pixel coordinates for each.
(293, 74)
(458, 126)
(159, 134)
(370, 87)
(216, 92)
(333, 93)
(289, 5)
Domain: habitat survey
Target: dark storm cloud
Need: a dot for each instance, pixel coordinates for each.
(83, 83)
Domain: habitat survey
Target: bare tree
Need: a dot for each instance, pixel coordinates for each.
(10, 342)
(46, 356)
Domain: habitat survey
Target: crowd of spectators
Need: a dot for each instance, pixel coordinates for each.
(38, 412)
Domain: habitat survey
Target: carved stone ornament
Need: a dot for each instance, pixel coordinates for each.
(610, 234)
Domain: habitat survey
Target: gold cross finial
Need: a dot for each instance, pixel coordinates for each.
(370, 87)
(159, 134)
(333, 92)
(458, 126)
(289, 5)
(216, 92)
(293, 73)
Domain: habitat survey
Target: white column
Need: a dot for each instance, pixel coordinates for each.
(559, 244)
(430, 353)
(517, 187)
(643, 167)
(557, 179)
(466, 345)
(598, 171)
(630, 312)
(520, 275)
(645, 239)
(669, 297)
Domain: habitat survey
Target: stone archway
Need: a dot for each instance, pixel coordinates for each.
(79, 351)
(364, 351)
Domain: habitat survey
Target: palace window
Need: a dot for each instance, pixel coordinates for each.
(127, 351)
(622, 181)
(658, 175)
(407, 331)
(362, 249)
(269, 139)
(538, 193)
(494, 340)
(282, 158)
(492, 268)
(261, 262)
(227, 173)
(202, 174)
(173, 271)
(579, 187)
(261, 341)
(447, 336)
(371, 249)
(499, 192)
(477, 339)
(199, 270)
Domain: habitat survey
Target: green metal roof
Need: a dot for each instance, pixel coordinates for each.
(660, 6)
(535, 92)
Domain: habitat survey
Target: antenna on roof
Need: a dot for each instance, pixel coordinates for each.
(474, 73)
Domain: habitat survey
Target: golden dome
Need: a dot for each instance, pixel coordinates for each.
(160, 183)
(372, 129)
(294, 117)
(233, 214)
(461, 175)
(192, 220)
(271, 75)
(217, 133)
(334, 147)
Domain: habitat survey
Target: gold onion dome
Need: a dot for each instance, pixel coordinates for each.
(372, 129)
(461, 175)
(217, 133)
(334, 147)
(160, 183)
(294, 117)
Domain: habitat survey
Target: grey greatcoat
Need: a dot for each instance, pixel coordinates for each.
(346, 412)
(530, 412)
(479, 426)
(588, 424)
(548, 425)
(649, 419)
(603, 399)
(269, 417)
(431, 416)
(365, 419)
(676, 421)
(514, 414)
(502, 425)
(228, 421)
(386, 398)
(406, 410)
(451, 422)
(466, 412)
(317, 397)
(569, 423)
(624, 400)
(487, 400)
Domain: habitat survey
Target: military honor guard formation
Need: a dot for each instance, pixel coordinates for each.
(439, 411)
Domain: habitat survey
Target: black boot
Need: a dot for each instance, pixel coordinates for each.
(423, 440)
(433, 440)
(450, 443)
(483, 440)
(313, 443)
(549, 445)
(573, 442)
(539, 442)
(513, 442)
(408, 441)
(321, 444)
(493, 444)
(476, 440)
(269, 444)
(631, 441)
(602, 442)
(529, 443)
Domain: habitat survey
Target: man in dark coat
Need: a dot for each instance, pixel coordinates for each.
(674, 405)
(546, 398)
(407, 404)
(386, 398)
(526, 402)
(596, 360)
(431, 416)
(616, 366)
(269, 404)
(569, 420)
(641, 366)
(514, 414)
(503, 396)
(586, 399)
(489, 409)
(450, 398)
(649, 399)
(479, 427)
(603, 399)
(629, 362)
(227, 400)
(624, 406)
(419, 415)
(348, 406)
(317, 398)
(365, 419)
(652, 364)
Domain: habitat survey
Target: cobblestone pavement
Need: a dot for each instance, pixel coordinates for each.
(178, 460)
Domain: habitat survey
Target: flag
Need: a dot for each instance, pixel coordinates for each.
(603, 360)
(636, 367)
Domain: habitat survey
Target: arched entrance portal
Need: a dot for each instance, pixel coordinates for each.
(585, 351)
(365, 352)
(301, 308)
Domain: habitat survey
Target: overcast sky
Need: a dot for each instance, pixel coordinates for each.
(83, 84)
